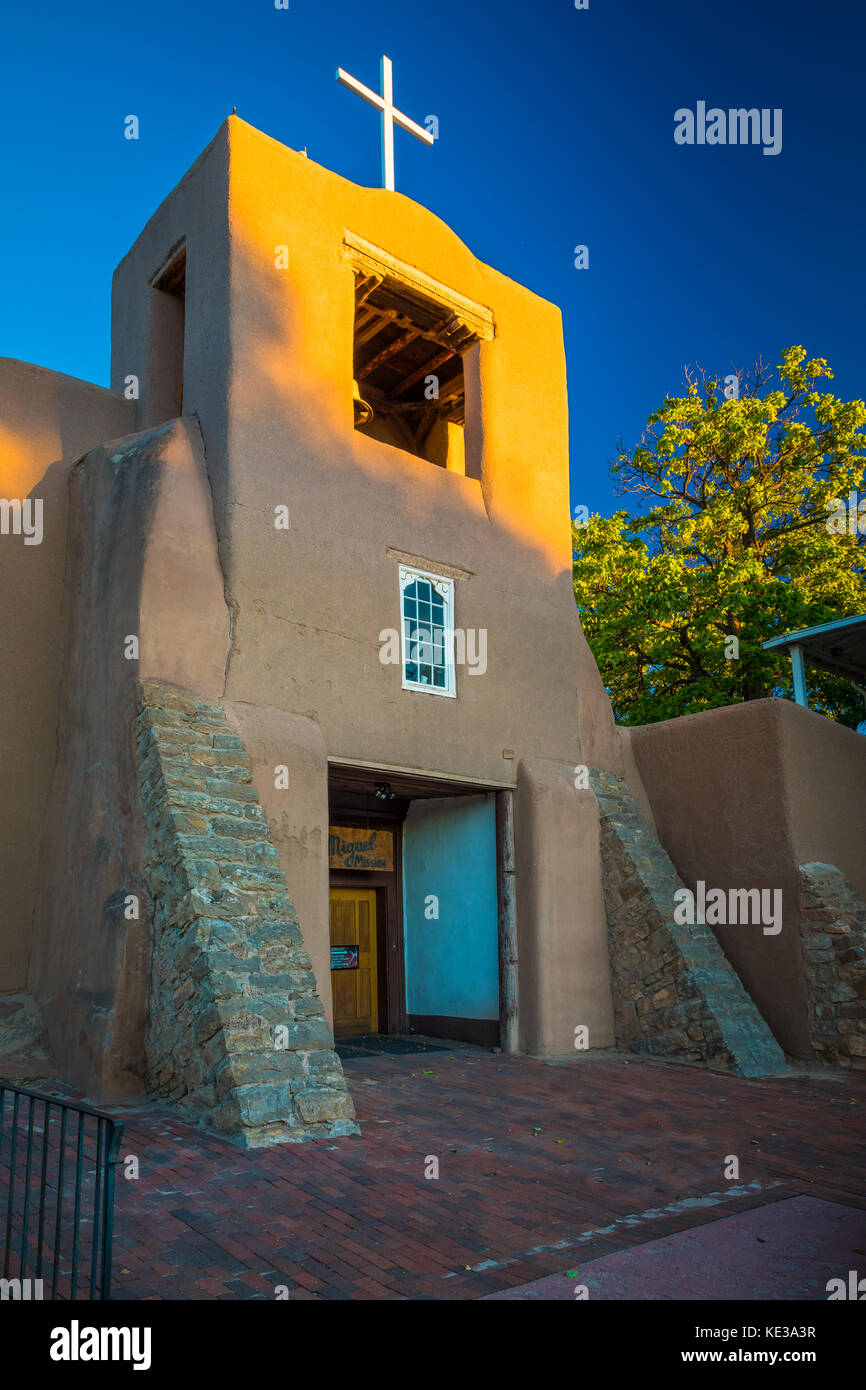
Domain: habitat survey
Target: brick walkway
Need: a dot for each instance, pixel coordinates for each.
(534, 1160)
(781, 1252)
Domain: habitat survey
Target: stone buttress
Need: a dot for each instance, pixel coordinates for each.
(833, 933)
(237, 1037)
(675, 993)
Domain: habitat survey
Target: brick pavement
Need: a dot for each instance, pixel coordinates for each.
(535, 1162)
(784, 1251)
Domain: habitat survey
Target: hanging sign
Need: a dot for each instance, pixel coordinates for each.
(344, 957)
(360, 849)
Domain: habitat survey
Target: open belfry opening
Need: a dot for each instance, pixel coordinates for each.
(408, 369)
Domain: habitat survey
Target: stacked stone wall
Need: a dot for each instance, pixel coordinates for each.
(237, 1036)
(833, 933)
(675, 993)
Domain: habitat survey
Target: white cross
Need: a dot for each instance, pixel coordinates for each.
(390, 114)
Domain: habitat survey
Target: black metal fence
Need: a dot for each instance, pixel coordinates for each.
(57, 1161)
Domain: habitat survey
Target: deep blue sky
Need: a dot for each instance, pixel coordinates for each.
(556, 128)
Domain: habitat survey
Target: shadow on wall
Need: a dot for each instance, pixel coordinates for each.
(46, 420)
(129, 510)
(743, 797)
(31, 581)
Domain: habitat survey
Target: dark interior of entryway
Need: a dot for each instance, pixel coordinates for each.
(368, 813)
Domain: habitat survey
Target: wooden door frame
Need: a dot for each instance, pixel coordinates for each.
(389, 924)
(358, 893)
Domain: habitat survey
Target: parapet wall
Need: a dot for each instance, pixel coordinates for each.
(743, 797)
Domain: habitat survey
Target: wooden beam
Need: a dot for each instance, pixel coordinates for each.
(382, 404)
(429, 367)
(404, 429)
(370, 330)
(425, 424)
(443, 335)
(369, 259)
(451, 392)
(366, 288)
(390, 351)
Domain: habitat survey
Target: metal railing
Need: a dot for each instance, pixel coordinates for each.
(57, 1161)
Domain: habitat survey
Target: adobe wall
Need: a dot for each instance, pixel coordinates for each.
(297, 816)
(46, 421)
(308, 604)
(674, 992)
(142, 561)
(825, 778)
(743, 796)
(562, 940)
(195, 212)
(312, 601)
(299, 614)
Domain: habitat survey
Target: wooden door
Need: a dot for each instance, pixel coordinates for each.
(354, 985)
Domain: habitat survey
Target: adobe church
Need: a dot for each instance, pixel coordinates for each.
(303, 739)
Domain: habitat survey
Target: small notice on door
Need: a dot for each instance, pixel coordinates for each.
(360, 849)
(344, 957)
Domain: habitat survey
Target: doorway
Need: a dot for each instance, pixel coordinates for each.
(354, 961)
(423, 852)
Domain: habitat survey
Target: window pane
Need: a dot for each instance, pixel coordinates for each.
(428, 649)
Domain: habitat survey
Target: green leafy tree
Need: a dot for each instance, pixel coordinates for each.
(732, 542)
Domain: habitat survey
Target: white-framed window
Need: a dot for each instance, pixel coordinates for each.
(427, 631)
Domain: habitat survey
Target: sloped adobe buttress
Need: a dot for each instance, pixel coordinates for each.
(237, 1036)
